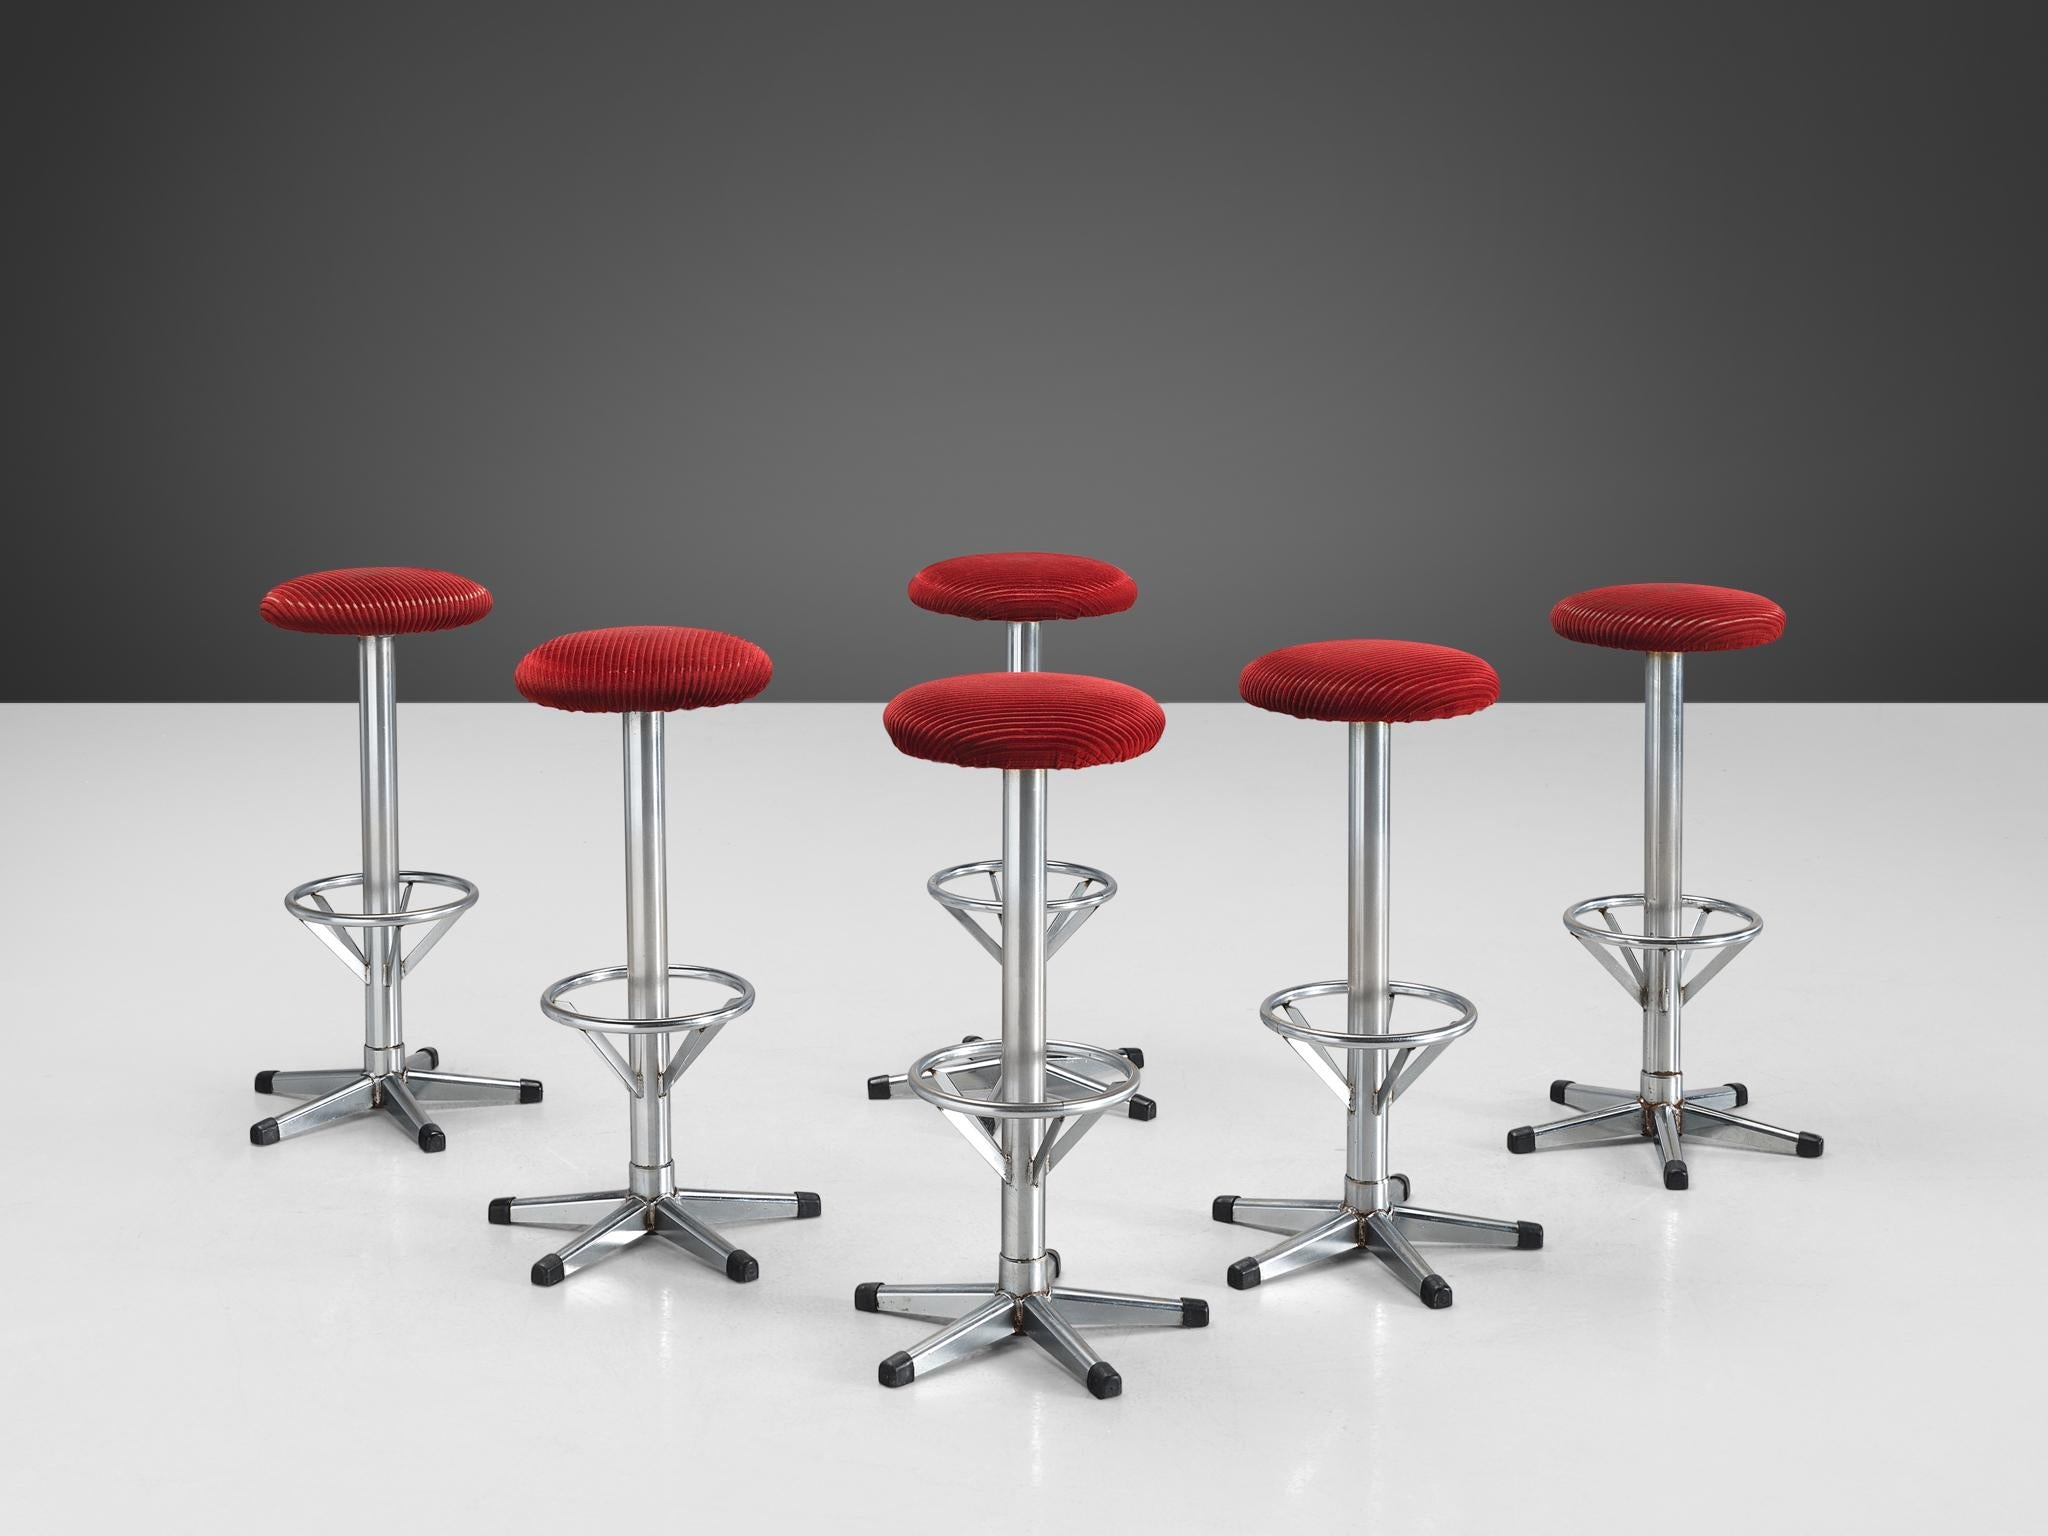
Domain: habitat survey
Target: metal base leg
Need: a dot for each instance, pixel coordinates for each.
(614, 1232)
(396, 1100)
(1700, 1114)
(1334, 1230)
(1116, 1309)
(351, 1099)
(619, 1218)
(1045, 1327)
(308, 1085)
(1711, 1124)
(724, 1205)
(344, 1092)
(974, 1329)
(1586, 1096)
(556, 1210)
(1289, 1215)
(1425, 1226)
(1385, 1242)
(454, 1088)
(982, 1315)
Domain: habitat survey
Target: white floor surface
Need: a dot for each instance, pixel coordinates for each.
(327, 1335)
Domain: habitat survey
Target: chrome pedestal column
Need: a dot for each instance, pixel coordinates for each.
(400, 1084)
(651, 1205)
(955, 889)
(1379, 1064)
(1022, 1103)
(1655, 967)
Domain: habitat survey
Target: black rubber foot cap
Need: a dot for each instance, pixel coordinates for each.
(433, 1138)
(1223, 1208)
(1675, 1176)
(1522, 1139)
(1143, 1108)
(878, 1087)
(742, 1266)
(1103, 1380)
(1436, 1292)
(549, 1271)
(866, 1296)
(501, 1211)
(1528, 1234)
(970, 1039)
(433, 1057)
(1135, 1055)
(807, 1204)
(1811, 1145)
(1741, 1093)
(1558, 1087)
(896, 1371)
(1194, 1312)
(529, 1091)
(263, 1081)
(264, 1134)
(1243, 1275)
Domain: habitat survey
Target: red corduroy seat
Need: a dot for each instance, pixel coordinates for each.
(375, 600)
(1024, 720)
(1669, 616)
(652, 667)
(1360, 680)
(1023, 587)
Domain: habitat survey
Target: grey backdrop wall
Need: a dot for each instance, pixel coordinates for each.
(1322, 319)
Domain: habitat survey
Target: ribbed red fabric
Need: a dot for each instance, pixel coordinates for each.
(1023, 587)
(1358, 680)
(1669, 616)
(1024, 720)
(654, 667)
(375, 600)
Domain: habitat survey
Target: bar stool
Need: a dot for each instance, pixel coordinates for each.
(1021, 590)
(1023, 1101)
(376, 604)
(639, 674)
(1655, 966)
(1370, 685)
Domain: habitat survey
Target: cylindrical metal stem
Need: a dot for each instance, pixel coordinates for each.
(1663, 874)
(1369, 1005)
(377, 731)
(1024, 1265)
(1021, 648)
(647, 945)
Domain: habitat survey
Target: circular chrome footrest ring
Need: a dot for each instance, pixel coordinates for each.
(1576, 922)
(304, 901)
(925, 1074)
(551, 1002)
(1275, 1014)
(1094, 887)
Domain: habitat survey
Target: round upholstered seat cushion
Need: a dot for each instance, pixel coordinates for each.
(375, 600)
(1023, 587)
(650, 667)
(1669, 616)
(1359, 680)
(1024, 720)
